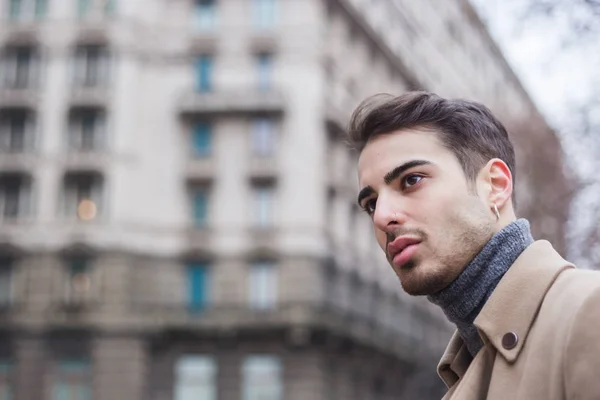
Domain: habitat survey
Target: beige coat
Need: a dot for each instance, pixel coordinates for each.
(541, 335)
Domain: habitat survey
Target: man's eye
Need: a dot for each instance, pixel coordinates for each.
(411, 180)
(369, 206)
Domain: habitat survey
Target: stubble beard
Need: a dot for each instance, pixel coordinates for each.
(423, 278)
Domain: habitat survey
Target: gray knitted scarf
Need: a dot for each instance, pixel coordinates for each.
(462, 300)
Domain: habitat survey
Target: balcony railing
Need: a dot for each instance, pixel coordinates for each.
(365, 328)
(232, 102)
(19, 98)
(95, 95)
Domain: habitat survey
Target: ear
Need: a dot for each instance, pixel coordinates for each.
(499, 182)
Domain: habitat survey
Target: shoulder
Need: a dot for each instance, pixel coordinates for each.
(573, 290)
(575, 287)
(582, 340)
(580, 289)
(567, 301)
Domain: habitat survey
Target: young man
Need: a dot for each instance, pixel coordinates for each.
(436, 177)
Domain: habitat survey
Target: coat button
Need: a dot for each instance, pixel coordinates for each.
(510, 340)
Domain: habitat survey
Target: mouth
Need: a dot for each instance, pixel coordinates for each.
(401, 250)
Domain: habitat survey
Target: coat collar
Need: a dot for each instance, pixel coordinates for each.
(512, 307)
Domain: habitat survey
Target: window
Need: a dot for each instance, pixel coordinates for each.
(84, 7)
(14, 196)
(198, 286)
(263, 137)
(14, 9)
(263, 285)
(264, 13)
(19, 67)
(265, 71)
(204, 71)
(41, 8)
(330, 284)
(263, 206)
(5, 282)
(200, 197)
(202, 139)
(196, 378)
(73, 380)
(83, 196)
(87, 8)
(110, 6)
(24, 10)
(6, 389)
(261, 375)
(86, 130)
(16, 131)
(79, 282)
(204, 14)
(91, 66)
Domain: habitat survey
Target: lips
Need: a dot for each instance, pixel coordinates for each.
(402, 249)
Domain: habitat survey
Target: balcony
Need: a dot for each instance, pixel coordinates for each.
(232, 102)
(263, 168)
(200, 169)
(78, 303)
(9, 312)
(89, 96)
(25, 29)
(263, 42)
(18, 161)
(85, 160)
(264, 240)
(27, 97)
(312, 316)
(200, 241)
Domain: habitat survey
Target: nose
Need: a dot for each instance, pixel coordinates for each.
(388, 214)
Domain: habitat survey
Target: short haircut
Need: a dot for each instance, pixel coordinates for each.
(467, 128)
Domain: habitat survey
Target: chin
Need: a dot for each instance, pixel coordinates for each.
(418, 280)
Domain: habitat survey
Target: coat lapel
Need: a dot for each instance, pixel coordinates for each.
(512, 307)
(514, 303)
(455, 361)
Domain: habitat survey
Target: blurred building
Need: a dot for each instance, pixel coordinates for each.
(177, 210)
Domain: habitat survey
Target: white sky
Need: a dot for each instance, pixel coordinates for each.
(554, 75)
(558, 78)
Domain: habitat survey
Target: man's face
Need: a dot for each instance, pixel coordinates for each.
(427, 217)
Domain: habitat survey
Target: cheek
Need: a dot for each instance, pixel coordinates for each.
(381, 238)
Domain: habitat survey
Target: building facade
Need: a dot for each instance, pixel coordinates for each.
(177, 208)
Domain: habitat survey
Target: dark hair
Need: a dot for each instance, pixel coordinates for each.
(466, 128)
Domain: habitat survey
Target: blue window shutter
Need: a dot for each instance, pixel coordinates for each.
(204, 67)
(84, 7)
(264, 13)
(197, 281)
(205, 13)
(61, 391)
(41, 7)
(110, 7)
(5, 371)
(265, 63)
(202, 139)
(15, 9)
(200, 208)
(74, 378)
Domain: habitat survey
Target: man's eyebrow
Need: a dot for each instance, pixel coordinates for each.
(365, 192)
(391, 176)
(399, 170)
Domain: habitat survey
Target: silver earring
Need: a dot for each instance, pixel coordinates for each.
(496, 211)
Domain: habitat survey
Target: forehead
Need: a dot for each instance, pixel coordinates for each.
(387, 151)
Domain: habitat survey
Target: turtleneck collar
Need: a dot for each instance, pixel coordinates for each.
(464, 298)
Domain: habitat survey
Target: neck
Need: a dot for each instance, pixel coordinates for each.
(464, 298)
